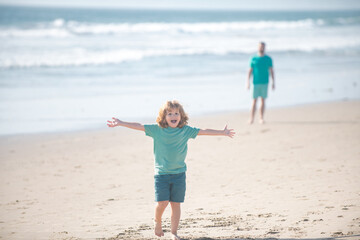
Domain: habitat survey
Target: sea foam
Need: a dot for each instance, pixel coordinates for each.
(62, 28)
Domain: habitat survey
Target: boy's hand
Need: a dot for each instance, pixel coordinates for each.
(115, 122)
(229, 132)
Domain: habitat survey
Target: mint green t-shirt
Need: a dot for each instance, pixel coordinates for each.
(260, 66)
(170, 147)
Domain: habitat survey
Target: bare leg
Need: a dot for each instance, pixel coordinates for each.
(253, 110)
(262, 110)
(159, 210)
(175, 219)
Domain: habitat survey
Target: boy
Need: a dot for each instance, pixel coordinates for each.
(170, 148)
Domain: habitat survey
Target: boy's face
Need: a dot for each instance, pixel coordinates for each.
(173, 117)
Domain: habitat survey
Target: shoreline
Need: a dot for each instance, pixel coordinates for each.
(294, 177)
(148, 120)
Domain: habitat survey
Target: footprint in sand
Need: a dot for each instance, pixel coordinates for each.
(346, 207)
(337, 234)
(318, 220)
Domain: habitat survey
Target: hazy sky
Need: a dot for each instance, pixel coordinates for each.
(198, 4)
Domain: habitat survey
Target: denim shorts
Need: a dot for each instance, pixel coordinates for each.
(170, 187)
(260, 90)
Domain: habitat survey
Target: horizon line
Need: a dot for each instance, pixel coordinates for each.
(176, 8)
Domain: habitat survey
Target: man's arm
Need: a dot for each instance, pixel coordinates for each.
(248, 78)
(272, 77)
(212, 132)
(116, 122)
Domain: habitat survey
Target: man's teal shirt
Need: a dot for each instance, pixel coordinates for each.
(170, 147)
(260, 66)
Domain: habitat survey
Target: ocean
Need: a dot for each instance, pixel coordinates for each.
(64, 69)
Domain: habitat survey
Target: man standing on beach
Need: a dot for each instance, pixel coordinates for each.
(260, 66)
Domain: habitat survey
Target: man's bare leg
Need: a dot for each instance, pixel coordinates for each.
(262, 111)
(159, 210)
(253, 110)
(175, 219)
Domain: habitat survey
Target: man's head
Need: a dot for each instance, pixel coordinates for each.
(261, 48)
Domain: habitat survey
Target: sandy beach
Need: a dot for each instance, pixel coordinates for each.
(295, 177)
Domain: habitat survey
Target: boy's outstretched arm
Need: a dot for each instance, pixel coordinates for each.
(116, 122)
(212, 132)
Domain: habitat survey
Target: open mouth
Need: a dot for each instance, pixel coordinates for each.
(173, 121)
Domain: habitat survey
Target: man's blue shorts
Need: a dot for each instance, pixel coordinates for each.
(260, 90)
(170, 187)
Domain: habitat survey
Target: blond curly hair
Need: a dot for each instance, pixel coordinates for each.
(171, 105)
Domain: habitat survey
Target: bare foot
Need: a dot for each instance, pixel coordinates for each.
(261, 121)
(175, 237)
(158, 229)
(251, 121)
